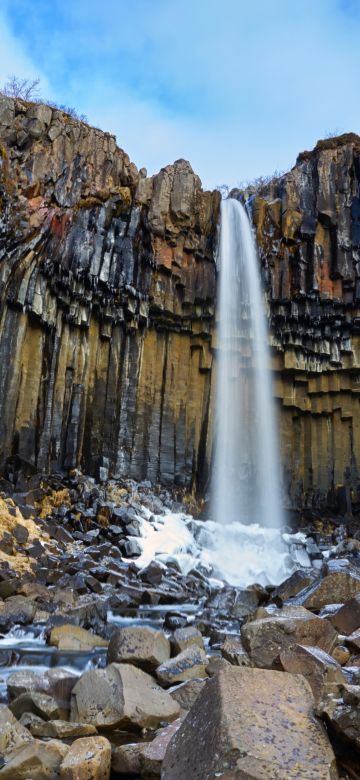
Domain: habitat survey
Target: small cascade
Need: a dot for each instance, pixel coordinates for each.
(246, 476)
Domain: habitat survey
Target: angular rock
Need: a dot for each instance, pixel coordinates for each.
(340, 584)
(153, 753)
(139, 645)
(185, 637)
(187, 693)
(341, 710)
(38, 703)
(57, 683)
(293, 585)
(61, 729)
(126, 759)
(251, 723)
(34, 761)
(87, 759)
(265, 637)
(234, 652)
(346, 618)
(354, 640)
(16, 609)
(318, 668)
(190, 663)
(121, 696)
(12, 733)
(69, 637)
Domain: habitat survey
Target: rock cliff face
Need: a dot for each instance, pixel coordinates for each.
(107, 300)
(107, 291)
(308, 230)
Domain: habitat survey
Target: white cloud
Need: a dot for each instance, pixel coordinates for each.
(14, 59)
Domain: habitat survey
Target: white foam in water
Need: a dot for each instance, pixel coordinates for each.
(238, 554)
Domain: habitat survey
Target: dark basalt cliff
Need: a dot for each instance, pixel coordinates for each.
(107, 300)
(107, 290)
(308, 230)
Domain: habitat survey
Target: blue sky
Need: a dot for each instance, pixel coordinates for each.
(238, 88)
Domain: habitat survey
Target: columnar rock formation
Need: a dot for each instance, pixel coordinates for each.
(107, 300)
(308, 230)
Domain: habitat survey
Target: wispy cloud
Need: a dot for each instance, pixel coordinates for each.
(237, 88)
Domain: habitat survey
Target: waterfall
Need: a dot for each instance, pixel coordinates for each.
(246, 476)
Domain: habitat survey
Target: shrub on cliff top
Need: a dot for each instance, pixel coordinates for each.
(25, 89)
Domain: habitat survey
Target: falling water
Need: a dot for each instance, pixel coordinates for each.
(246, 482)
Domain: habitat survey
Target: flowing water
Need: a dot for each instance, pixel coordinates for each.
(246, 487)
(246, 468)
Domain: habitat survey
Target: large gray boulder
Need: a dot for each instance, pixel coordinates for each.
(139, 645)
(251, 724)
(121, 696)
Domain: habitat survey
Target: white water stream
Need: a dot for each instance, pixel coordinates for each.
(246, 482)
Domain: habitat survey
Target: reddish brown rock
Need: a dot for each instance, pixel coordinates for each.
(318, 668)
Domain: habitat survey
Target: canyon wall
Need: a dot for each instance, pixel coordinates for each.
(107, 309)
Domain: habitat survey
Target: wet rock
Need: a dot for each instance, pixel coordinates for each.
(153, 573)
(131, 548)
(12, 733)
(341, 710)
(318, 668)
(341, 583)
(61, 729)
(251, 723)
(36, 760)
(121, 696)
(141, 646)
(265, 637)
(57, 683)
(187, 665)
(87, 759)
(233, 651)
(186, 637)
(16, 609)
(69, 637)
(293, 585)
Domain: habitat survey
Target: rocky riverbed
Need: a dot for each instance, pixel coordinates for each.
(124, 652)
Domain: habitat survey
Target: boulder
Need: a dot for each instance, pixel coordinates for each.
(34, 761)
(318, 668)
(61, 729)
(87, 759)
(12, 733)
(185, 637)
(153, 753)
(346, 618)
(187, 693)
(354, 640)
(185, 666)
(126, 759)
(57, 683)
(341, 583)
(121, 696)
(234, 652)
(294, 584)
(68, 637)
(139, 645)
(251, 723)
(265, 637)
(341, 710)
(38, 703)
(16, 609)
